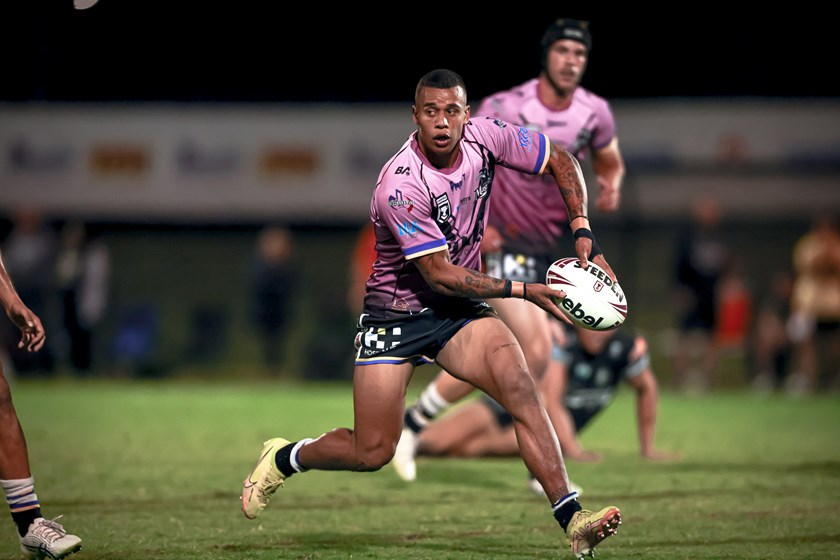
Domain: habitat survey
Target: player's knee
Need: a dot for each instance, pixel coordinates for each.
(374, 458)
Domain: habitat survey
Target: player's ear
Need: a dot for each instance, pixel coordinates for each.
(414, 114)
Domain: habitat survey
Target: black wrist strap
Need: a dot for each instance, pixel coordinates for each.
(507, 289)
(585, 232)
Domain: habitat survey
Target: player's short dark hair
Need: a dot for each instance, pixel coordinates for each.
(566, 28)
(442, 79)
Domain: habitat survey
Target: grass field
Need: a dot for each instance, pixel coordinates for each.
(152, 470)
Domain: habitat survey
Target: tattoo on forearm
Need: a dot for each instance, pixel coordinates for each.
(569, 178)
(574, 199)
(478, 284)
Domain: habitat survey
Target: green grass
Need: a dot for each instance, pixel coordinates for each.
(152, 470)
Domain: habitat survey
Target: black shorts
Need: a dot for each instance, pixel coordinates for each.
(503, 419)
(827, 326)
(580, 417)
(416, 339)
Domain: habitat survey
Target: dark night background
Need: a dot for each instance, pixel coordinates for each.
(130, 50)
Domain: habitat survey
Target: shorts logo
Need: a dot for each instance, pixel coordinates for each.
(377, 340)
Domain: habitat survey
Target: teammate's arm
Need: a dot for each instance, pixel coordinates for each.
(608, 165)
(553, 389)
(647, 399)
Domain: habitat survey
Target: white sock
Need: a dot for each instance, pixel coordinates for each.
(293, 456)
(429, 406)
(20, 494)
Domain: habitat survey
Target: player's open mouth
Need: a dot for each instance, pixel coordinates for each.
(442, 140)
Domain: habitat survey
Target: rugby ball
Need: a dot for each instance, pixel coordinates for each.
(593, 301)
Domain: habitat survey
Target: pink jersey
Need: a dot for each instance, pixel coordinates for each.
(417, 209)
(529, 211)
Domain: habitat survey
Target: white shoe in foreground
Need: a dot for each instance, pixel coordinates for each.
(264, 480)
(46, 538)
(404, 457)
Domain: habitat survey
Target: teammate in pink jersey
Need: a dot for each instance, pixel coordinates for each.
(527, 219)
(425, 302)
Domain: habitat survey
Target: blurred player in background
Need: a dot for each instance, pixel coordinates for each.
(586, 371)
(527, 219)
(39, 538)
(425, 302)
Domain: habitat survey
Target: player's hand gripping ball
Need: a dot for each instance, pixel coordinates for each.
(593, 301)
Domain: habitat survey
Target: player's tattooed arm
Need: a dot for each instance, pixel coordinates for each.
(476, 284)
(453, 280)
(567, 173)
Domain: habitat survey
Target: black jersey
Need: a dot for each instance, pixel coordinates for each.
(592, 378)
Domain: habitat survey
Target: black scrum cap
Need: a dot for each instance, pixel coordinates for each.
(565, 28)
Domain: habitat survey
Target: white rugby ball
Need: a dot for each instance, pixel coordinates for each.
(593, 301)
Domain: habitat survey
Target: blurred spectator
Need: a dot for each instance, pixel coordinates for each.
(770, 347)
(702, 256)
(815, 307)
(734, 302)
(272, 279)
(83, 274)
(29, 254)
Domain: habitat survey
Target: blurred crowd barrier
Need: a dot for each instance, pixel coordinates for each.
(311, 163)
